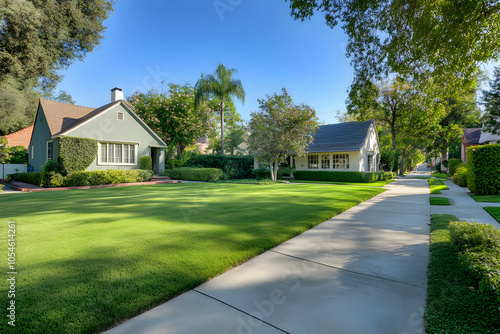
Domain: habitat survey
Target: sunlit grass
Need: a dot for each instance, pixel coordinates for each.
(88, 259)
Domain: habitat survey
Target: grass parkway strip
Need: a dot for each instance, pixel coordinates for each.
(89, 259)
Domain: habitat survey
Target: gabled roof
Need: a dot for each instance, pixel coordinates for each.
(341, 137)
(62, 117)
(472, 136)
(20, 138)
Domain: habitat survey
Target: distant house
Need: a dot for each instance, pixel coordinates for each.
(351, 146)
(20, 138)
(122, 135)
(470, 137)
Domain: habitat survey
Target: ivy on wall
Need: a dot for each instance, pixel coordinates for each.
(76, 154)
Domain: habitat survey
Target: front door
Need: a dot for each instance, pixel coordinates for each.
(154, 158)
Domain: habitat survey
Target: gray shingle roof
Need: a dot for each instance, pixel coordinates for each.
(341, 137)
(472, 136)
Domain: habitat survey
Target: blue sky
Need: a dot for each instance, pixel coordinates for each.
(177, 40)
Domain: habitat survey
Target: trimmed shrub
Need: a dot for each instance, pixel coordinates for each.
(30, 178)
(264, 173)
(145, 162)
(478, 246)
(195, 174)
(1, 187)
(56, 180)
(76, 154)
(358, 177)
(460, 176)
(453, 163)
(483, 169)
(109, 176)
(51, 166)
(437, 168)
(236, 167)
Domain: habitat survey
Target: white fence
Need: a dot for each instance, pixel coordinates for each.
(6, 169)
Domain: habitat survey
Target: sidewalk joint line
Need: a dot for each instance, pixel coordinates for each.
(350, 271)
(239, 310)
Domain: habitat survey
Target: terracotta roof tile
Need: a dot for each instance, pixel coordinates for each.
(21, 137)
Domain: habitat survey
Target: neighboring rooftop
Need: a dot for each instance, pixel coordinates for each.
(472, 136)
(341, 137)
(20, 138)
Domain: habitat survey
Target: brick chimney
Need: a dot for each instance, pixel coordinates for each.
(116, 94)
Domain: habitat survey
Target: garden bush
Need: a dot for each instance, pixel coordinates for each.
(264, 173)
(483, 169)
(460, 176)
(478, 246)
(453, 163)
(195, 174)
(98, 177)
(49, 167)
(76, 154)
(30, 178)
(1, 187)
(236, 167)
(359, 177)
(145, 162)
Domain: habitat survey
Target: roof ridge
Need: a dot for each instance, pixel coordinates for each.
(70, 104)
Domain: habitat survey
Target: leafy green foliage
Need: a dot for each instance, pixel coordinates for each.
(483, 169)
(235, 167)
(145, 162)
(439, 201)
(280, 129)
(478, 246)
(491, 99)
(49, 169)
(333, 176)
(174, 117)
(195, 174)
(455, 303)
(30, 178)
(109, 176)
(1, 187)
(460, 176)
(76, 154)
(220, 85)
(453, 164)
(16, 155)
(263, 173)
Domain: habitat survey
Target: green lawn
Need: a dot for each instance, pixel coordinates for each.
(440, 175)
(494, 212)
(436, 186)
(454, 302)
(88, 259)
(439, 201)
(372, 184)
(487, 198)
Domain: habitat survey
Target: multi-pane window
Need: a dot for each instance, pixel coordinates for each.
(370, 162)
(117, 154)
(325, 161)
(341, 161)
(50, 150)
(312, 161)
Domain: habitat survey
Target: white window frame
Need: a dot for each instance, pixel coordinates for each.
(51, 156)
(111, 152)
(323, 156)
(32, 152)
(122, 114)
(310, 165)
(340, 161)
(370, 162)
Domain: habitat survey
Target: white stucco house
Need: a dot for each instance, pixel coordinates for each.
(351, 146)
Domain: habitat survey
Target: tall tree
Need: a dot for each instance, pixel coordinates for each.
(491, 100)
(280, 129)
(414, 38)
(221, 84)
(39, 38)
(172, 116)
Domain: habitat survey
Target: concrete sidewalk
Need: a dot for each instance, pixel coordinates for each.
(463, 206)
(363, 271)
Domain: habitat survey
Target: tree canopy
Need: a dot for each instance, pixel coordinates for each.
(414, 39)
(491, 99)
(280, 129)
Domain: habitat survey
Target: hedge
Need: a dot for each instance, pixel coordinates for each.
(195, 174)
(98, 177)
(460, 176)
(30, 178)
(478, 246)
(453, 163)
(146, 162)
(359, 177)
(76, 154)
(235, 167)
(483, 169)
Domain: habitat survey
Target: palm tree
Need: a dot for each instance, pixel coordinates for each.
(222, 85)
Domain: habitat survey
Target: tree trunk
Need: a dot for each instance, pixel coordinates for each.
(222, 124)
(271, 170)
(276, 166)
(402, 165)
(444, 156)
(179, 151)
